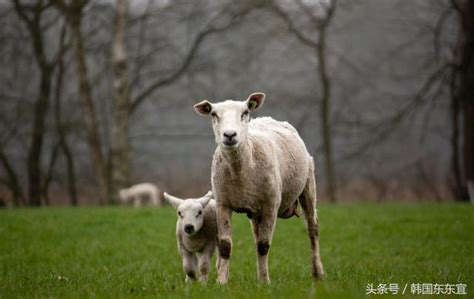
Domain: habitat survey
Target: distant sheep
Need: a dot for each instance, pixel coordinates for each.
(261, 167)
(196, 233)
(141, 194)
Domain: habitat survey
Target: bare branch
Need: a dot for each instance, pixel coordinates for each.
(292, 27)
(382, 131)
(210, 29)
(439, 28)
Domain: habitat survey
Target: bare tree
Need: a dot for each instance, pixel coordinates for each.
(119, 148)
(320, 23)
(462, 102)
(12, 181)
(61, 131)
(73, 13)
(32, 16)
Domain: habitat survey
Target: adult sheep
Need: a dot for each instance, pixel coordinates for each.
(260, 167)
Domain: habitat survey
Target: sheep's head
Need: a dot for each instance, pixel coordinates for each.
(123, 195)
(190, 211)
(230, 119)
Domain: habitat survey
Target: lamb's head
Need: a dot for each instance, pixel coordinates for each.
(230, 119)
(123, 195)
(190, 211)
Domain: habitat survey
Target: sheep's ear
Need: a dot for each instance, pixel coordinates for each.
(255, 100)
(205, 199)
(174, 201)
(203, 108)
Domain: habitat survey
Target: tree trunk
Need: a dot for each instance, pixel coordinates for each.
(13, 183)
(62, 133)
(35, 150)
(33, 24)
(63, 144)
(89, 113)
(119, 148)
(49, 174)
(462, 103)
(457, 185)
(467, 95)
(325, 113)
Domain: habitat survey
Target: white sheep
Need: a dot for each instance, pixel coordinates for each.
(196, 233)
(140, 194)
(261, 167)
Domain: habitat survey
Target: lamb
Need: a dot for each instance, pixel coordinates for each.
(141, 194)
(260, 167)
(196, 233)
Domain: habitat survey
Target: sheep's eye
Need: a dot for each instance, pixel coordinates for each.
(199, 213)
(214, 115)
(179, 214)
(246, 112)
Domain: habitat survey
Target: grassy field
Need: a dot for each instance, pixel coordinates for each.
(123, 252)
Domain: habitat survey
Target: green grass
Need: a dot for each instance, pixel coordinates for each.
(124, 252)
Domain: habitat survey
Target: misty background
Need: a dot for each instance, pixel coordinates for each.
(98, 95)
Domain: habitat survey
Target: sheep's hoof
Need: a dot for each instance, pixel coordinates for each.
(189, 279)
(318, 275)
(203, 279)
(190, 276)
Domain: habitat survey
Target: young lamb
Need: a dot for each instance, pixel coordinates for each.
(141, 194)
(196, 233)
(261, 167)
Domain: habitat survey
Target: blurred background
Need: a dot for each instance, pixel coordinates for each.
(98, 95)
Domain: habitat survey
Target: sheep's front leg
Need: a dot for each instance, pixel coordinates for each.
(264, 233)
(137, 201)
(155, 199)
(224, 232)
(189, 265)
(204, 263)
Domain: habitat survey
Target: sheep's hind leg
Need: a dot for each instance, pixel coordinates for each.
(264, 232)
(308, 203)
(254, 221)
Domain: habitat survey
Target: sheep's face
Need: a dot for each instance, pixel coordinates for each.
(190, 212)
(123, 195)
(230, 119)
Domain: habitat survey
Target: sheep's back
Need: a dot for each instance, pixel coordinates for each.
(283, 135)
(292, 156)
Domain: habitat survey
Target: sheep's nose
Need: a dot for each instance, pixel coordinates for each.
(230, 134)
(188, 228)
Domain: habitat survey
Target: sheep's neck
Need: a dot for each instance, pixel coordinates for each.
(238, 159)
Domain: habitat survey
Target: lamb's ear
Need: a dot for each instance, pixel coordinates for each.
(205, 199)
(203, 108)
(255, 100)
(174, 201)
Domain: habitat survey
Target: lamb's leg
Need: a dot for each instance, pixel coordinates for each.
(189, 265)
(204, 261)
(218, 262)
(137, 201)
(156, 199)
(264, 231)
(224, 232)
(308, 203)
